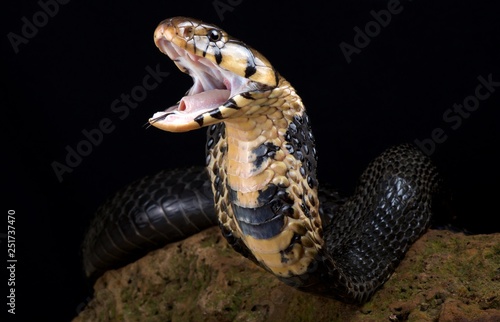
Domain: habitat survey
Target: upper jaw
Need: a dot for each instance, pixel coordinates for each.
(206, 74)
(212, 87)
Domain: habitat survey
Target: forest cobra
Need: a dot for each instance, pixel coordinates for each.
(260, 184)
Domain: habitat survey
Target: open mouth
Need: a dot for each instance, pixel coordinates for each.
(212, 87)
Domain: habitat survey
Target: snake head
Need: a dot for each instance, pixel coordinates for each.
(221, 66)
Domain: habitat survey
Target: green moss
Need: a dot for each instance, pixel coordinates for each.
(205, 280)
(210, 241)
(494, 254)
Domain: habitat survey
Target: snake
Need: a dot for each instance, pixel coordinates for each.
(260, 184)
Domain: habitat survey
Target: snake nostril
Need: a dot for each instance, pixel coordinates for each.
(187, 32)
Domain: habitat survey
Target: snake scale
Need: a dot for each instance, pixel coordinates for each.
(259, 184)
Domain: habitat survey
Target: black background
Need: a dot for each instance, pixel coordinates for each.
(65, 78)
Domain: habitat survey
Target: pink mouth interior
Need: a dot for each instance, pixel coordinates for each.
(202, 101)
(213, 87)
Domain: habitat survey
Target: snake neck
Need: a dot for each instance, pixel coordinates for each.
(263, 168)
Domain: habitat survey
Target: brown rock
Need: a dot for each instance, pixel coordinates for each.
(445, 277)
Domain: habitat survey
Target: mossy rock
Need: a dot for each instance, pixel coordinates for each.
(445, 277)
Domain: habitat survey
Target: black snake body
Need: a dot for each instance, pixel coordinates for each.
(260, 186)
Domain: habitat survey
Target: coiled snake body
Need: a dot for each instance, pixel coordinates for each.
(260, 185)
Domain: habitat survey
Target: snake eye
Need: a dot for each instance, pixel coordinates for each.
(214, 35)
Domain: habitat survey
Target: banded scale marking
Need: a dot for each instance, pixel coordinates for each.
(266, 203)
(228, 109)
(265, 220)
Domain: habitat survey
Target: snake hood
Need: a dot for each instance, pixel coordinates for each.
(199, 49)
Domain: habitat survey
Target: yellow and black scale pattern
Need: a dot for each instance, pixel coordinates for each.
(263, 169)
(261, 162)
